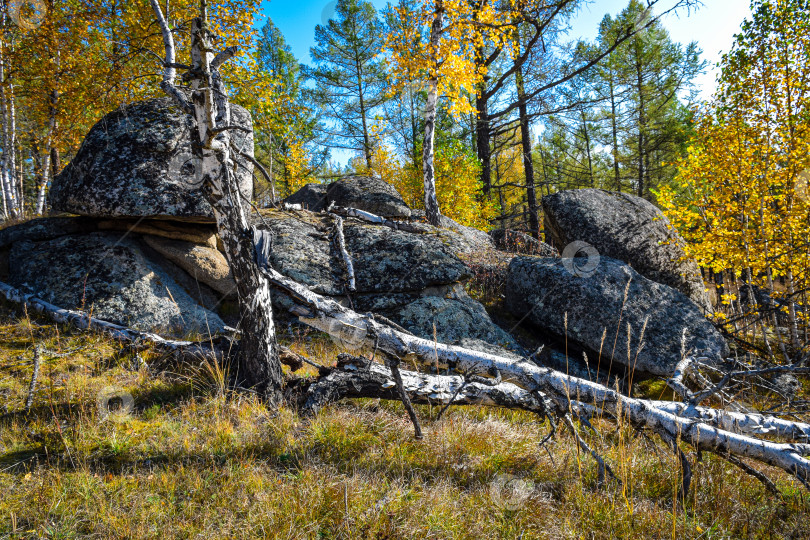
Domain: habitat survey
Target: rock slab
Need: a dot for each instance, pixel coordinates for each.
(202, 262)
(370, 194)
(110, 277)
(412, 278)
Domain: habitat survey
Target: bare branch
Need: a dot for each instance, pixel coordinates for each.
(344, 254)
(169, 73)
(262, 170)
(223, 57)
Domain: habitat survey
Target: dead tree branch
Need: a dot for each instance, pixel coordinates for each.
(340, 240)
(329, 316)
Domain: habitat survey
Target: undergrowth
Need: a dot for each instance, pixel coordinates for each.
(195, 459)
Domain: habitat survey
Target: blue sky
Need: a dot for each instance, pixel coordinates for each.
(712, 25)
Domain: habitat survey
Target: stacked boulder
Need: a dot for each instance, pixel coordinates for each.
(623, 292)
(626, 228)
(414, 278)
(140, 248)
(142, 251)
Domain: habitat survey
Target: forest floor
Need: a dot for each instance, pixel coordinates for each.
(194, 459)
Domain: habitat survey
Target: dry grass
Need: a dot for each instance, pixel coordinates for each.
(196, 460)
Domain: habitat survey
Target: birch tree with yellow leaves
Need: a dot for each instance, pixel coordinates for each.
(740, 197)
(444, 61)
(76, 61)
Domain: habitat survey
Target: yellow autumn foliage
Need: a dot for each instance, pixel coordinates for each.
(740, 196)
(86, 59)
(467, 27)
(457, 182)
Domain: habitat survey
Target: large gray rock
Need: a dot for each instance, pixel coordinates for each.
(544, 290)
(456, 318)
(48, 228)
(459, 238)
(386, 261)
(311, 197)
(110, 277)
(370, 194)
(472, 239)
(626, 228)
(137, 162)
(412, 278)
(301, 250)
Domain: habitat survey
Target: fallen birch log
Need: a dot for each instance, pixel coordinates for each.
(368, 217)
(83, 321)
(329, 316)
(357, 377)
(747, 423)
(698, 426)
(215, 348)
(344, 254)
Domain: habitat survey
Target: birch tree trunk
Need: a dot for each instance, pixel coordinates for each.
(14, 176)
(432, 211)
(7, 165)
(257, 358)
(49, 154)
(43, 184)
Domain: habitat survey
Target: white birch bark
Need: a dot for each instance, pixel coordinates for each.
(43, 186)
(358, 377)
(6, 166)
(46, 166)
(432, 211)
(16, 176)
(257, 357)
(329, 316)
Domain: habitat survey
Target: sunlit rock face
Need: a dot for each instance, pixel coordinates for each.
(593, 305)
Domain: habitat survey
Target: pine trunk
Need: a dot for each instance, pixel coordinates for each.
(482, 136)
(528, 165)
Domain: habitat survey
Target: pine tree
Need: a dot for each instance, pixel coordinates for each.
(349, 74)
(654, 76)
(283, 113)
